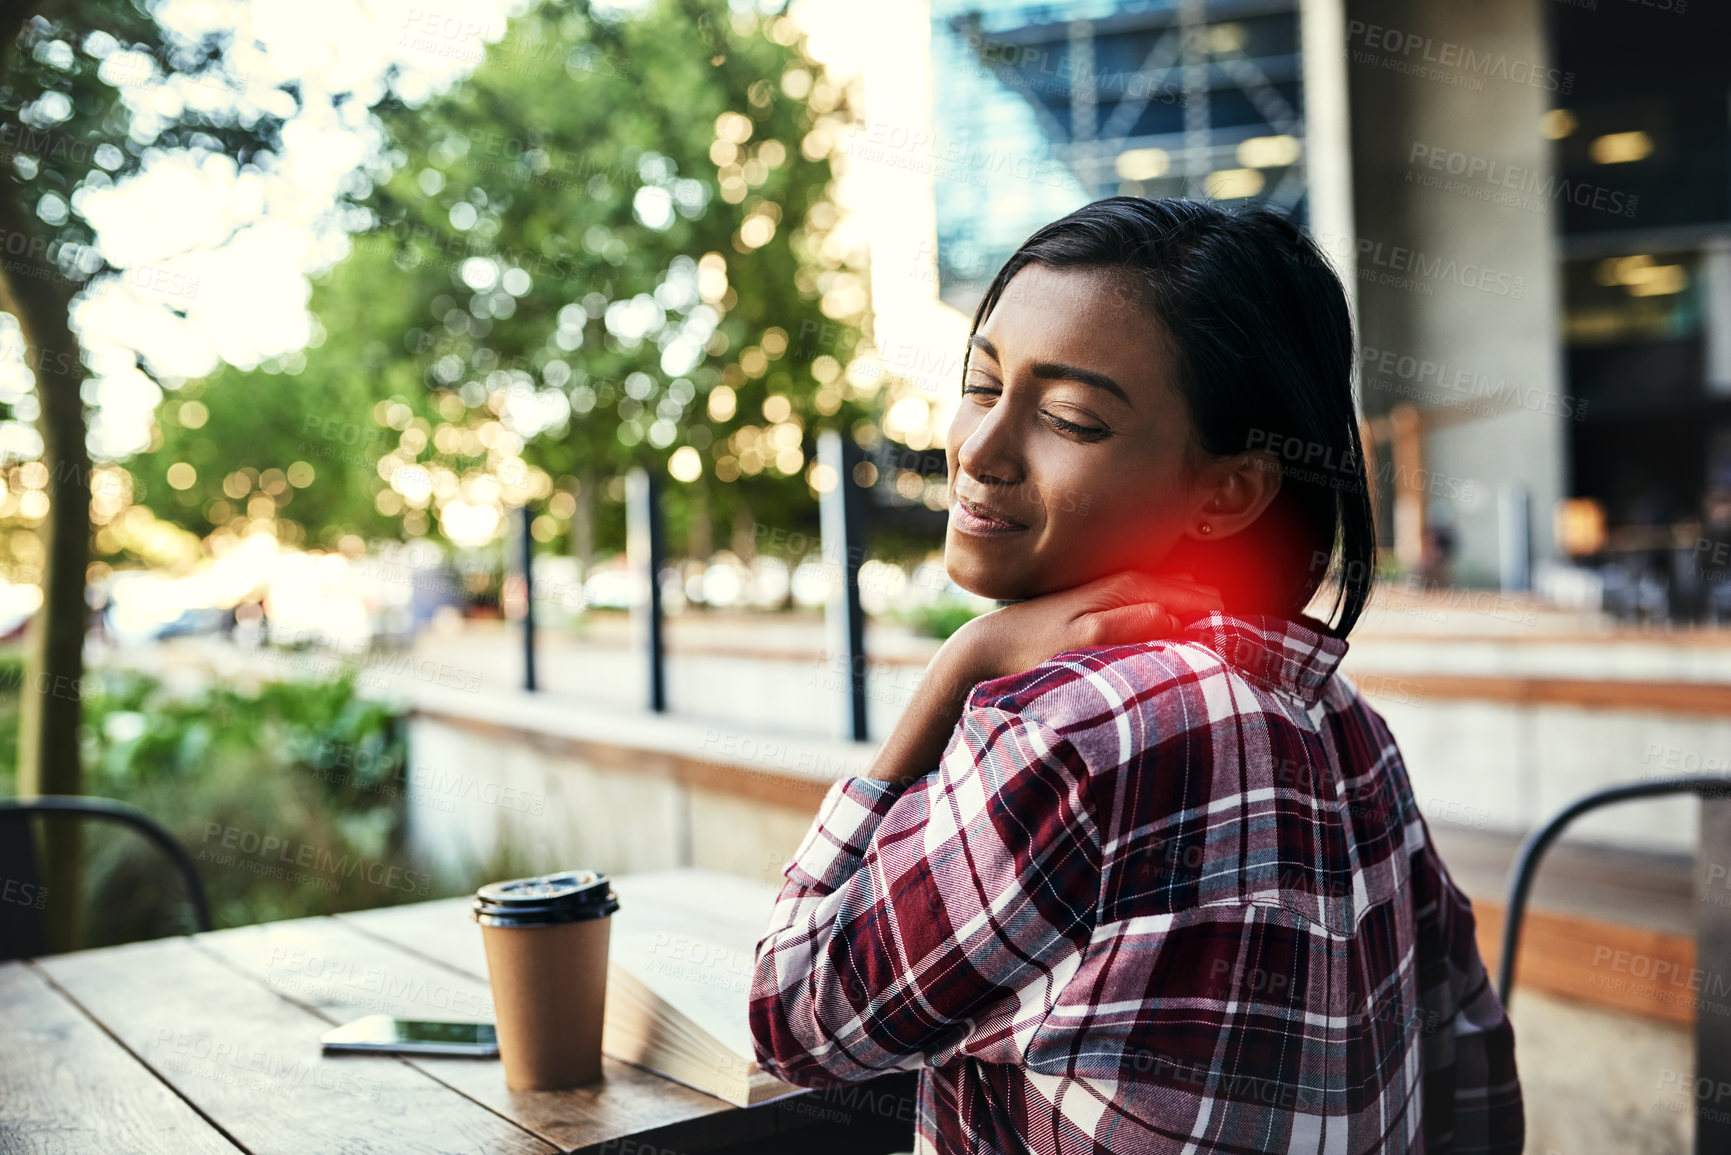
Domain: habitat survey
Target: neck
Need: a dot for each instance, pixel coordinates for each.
(1251, 579)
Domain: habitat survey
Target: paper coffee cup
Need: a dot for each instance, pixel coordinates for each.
(546, 944)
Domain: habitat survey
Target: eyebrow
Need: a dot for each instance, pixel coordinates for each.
(1054, 371)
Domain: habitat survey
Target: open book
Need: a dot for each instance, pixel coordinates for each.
(679, 968)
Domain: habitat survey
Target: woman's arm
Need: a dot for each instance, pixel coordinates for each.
(921, 733)
(941, 901)
(1472, 1084)
(922, 920)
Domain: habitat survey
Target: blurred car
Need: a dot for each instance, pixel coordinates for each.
(194, 622)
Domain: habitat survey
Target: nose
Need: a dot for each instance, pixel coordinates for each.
(987, 448)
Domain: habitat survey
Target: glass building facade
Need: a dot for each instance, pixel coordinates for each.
(1040, 108)
(1642, 205)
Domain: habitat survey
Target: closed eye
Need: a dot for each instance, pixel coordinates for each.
(1086, 432)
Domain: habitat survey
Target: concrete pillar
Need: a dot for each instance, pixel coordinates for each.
(1328, 135)
(1456, 264)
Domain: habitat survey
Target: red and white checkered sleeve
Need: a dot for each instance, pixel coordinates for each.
(1473, 1102)
(942, 917)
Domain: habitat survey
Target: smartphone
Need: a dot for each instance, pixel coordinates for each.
(413, 1036)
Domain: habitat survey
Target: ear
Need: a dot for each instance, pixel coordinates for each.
(1231, 494)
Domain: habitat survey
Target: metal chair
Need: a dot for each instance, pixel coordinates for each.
(1539, 841)
(22, 925)
(1712, 1040)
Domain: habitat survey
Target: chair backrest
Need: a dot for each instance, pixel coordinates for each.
(23, 927)
(23, 933)
(1712, 1047)
(1533, 848)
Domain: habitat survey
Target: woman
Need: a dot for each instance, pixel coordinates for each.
(1137, 871)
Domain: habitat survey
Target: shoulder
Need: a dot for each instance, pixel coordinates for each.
(1109, 702)
(1077, 684)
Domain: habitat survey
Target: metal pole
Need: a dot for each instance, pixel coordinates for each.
(841, 518)
(1515, 526)
(1716, 314)
(646, 555)
(528, 602)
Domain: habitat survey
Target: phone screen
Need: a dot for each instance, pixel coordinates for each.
(427, 1031)
(423, 1036)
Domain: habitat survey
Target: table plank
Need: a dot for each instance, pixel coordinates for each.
(68, 1087)
(342, 973)
(440, 930)
(875, 1115)
(250, 1060)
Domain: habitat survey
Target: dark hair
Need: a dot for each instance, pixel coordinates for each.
(1261, 334)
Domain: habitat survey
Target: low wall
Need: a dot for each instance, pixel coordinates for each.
(1507, 766)
(1506, 748)
(557, 786)
(1504, 710)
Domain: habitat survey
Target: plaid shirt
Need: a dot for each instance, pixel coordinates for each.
(1169, 896)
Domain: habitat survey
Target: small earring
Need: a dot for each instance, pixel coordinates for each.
(1204, 528)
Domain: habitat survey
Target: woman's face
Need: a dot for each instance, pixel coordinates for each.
(1071, 440)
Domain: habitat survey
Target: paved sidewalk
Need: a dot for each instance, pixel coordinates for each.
(1599, 1082)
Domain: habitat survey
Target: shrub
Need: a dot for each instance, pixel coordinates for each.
(942, 618)
(290, 799)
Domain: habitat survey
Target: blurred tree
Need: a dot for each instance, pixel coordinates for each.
(611, 245)
(68, 129)
(630, 210)
(291, 447)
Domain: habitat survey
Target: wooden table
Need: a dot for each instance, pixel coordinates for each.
(209, 1043)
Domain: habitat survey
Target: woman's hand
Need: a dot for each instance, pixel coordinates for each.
(1113, 610)
(1120, 608)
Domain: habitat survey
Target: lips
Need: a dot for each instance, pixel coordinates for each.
(981, 520)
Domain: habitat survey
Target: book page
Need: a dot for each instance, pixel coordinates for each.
(689, 936)
(727, 910)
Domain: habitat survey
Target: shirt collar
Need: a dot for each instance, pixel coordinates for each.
(1297, 657)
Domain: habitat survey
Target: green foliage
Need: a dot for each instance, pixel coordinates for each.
(943, 617)
(67, 128)
(291, 800)
(11, 680)
(316, 410)
(88, 92)
(535, 296)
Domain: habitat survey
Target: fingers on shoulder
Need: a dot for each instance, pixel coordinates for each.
(1136, 622)
(1178, 594)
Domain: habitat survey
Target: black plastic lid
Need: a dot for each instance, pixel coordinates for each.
(569, 896)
